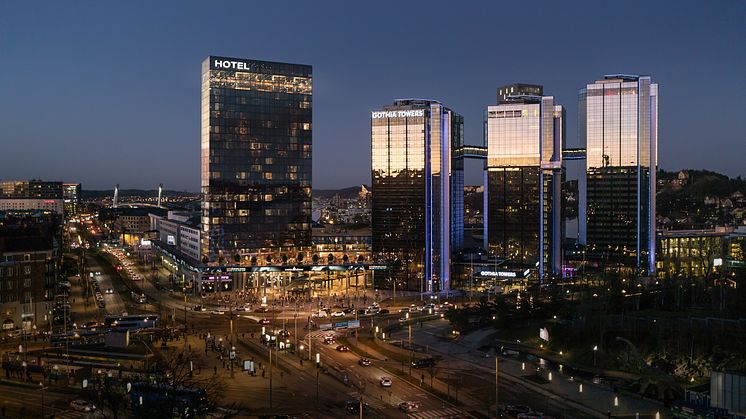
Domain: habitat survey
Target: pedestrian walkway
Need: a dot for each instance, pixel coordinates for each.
(451, 413)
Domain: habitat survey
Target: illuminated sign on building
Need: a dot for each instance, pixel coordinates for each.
(398, 114)
(500, 274)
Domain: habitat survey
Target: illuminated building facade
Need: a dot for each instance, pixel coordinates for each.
(418, 183)
(523, 182)
(23, 195)
(618, 126)
(256, 159)
(71, 198)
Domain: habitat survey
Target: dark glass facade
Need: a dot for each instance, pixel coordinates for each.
(417, 205)
(256, 158)
(30, 189)
(618, 125)
(524, 175)
(518, 89)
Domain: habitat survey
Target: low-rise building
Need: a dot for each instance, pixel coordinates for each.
(29, 262)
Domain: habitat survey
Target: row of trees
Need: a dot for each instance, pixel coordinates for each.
(269, 259)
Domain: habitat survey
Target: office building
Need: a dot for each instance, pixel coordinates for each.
(71, 199)
(523, 181)
(618, 125)
(256, 159)
(417, 204)
(23, 195)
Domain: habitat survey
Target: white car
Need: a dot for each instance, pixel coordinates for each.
(338, 314)
(217, 312)
(385, 381)
(82, 405)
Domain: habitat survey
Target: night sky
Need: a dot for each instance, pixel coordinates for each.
(109, 92)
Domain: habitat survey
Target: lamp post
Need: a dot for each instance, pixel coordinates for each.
(595, 349)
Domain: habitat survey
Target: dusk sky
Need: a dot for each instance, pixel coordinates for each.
(109, 92)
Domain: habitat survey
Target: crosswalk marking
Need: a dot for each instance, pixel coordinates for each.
(450, 413)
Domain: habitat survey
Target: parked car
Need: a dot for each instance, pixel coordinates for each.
(338, 314)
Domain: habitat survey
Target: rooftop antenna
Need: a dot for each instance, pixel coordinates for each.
(160, 191)
(116, 195)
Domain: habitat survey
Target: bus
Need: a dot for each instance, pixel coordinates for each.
(131, 322)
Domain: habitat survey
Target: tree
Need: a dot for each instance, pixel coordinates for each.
(330, 258)
(269, 259)
(360, 258)
(345, 258)
(299, 258)
(253, 260)
(284, 258)
(237, 258)
(315, 259)
(111, 398)
(175, 372)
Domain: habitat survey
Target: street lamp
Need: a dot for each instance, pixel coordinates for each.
(595, 349)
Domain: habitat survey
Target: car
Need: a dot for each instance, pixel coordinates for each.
(217, 312)
(364, 362)
(338, 314)
(383, 311)
(404, 310)
(409, 406)
(343, 348)
(88, 325)
(81, 405)
(353, 406)
(283, 334)
(349, 310)
(261, 310)
(240, 308)
(385, 381)
(329, 339)
(109, 291)
(199, 307)
(264, 321)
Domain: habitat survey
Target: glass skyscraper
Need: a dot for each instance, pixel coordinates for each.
(256, 158)
(618, 125)
(418, 183)
(524, 136)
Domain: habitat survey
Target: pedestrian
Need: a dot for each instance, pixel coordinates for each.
(215, 370)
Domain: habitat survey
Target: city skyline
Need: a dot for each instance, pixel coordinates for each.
(111, 134)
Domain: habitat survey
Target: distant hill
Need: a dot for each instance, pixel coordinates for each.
(345, 193)
(151, 193)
